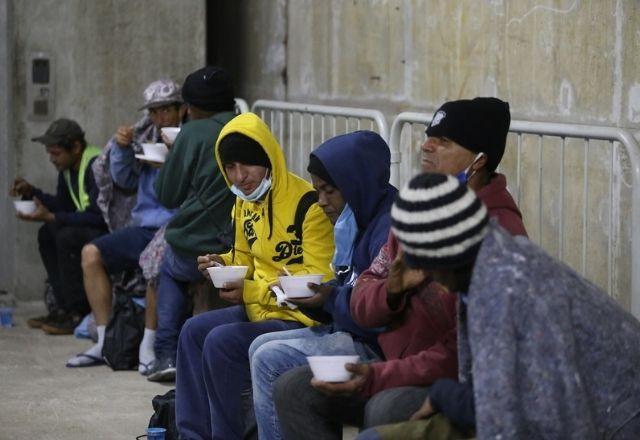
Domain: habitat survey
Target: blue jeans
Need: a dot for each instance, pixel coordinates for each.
(213, 371)
(369, 434)
(176, 272)
(276, 353)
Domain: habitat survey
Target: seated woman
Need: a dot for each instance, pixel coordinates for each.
(212, 362)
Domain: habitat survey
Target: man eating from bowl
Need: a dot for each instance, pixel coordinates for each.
(71, 219)
(277, 224)
(121, 249)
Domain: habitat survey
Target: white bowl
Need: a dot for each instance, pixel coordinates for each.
(26, 207)
(155, 152)
(331, 368)
(222, 274)
(170, 132)
(295, 286)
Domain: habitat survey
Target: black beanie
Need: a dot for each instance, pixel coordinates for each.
(316, 167)
(439, 222)
(479, 125)
(209, 89)
(236, 147)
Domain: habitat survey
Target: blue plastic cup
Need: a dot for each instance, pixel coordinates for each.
(6, 317)
(155, 433)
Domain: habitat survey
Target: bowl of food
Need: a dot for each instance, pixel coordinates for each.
(170, 133)
(26, 207)
(155, 152)
(331, 368)
(295, 286)
(223, 274)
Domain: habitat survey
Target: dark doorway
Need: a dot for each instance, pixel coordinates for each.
(224, 35)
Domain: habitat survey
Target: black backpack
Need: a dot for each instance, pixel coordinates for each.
(123, 334)
(164, 415)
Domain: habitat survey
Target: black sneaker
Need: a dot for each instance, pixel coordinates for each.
(64, 326)
(163, 371)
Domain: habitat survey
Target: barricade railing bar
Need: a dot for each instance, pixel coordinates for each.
(241, 106)
(299, 128)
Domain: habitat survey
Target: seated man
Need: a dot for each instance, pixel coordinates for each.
(120, 250)
(277, 224)
(71, 219)
(547, 356)
(191, 181)
(357, 200)
(467, 138)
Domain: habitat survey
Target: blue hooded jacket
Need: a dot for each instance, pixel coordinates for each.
(359, 164)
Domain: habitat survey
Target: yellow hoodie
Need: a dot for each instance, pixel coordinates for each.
(267, 256)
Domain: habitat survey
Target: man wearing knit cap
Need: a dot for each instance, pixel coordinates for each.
(120, 250)
(277, 224)
(466, 138)
(191, 181)
(547, 356)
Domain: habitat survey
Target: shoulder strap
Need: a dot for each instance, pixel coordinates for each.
(304, 204)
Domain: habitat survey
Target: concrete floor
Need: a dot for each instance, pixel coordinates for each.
(42, 399)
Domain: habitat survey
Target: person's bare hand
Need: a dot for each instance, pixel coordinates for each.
(401, 278)
(41, 214)
(232, 291)
(426, 410)
(322, 292)
(348, 388)
(208, 260)
(124, 136)
(20, 187)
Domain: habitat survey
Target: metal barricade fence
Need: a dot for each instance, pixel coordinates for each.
(241, 106)
(574, 185)
(299, 128)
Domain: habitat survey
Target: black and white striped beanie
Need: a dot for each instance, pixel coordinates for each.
(439, 222)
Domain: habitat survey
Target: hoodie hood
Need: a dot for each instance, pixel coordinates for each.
(250, 125)
(359, 165)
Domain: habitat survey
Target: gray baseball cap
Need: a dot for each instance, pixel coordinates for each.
(161, 92)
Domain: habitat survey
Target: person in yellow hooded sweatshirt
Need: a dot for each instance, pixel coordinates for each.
(277, 224)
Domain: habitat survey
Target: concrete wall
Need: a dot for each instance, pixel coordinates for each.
(7, 154)
(554, 60)
(105, 53)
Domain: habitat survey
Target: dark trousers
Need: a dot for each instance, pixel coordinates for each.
(60, 249)
(306, 413)
(213, 372)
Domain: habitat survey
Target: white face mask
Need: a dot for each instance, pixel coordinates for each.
(257, 193)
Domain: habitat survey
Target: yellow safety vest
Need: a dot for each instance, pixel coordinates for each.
(82, 199)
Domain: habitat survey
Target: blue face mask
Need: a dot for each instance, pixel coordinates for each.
(463, 176)
(345, 232)
(257, 193)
